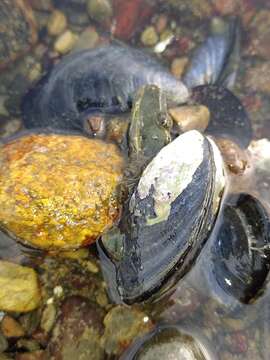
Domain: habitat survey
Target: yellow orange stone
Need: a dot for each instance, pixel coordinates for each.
(19, 288)
(58, 191)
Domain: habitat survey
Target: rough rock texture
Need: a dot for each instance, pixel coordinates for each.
(122, 326)
(77, 332)
(63, 189)
(19, 289)
(17, 30)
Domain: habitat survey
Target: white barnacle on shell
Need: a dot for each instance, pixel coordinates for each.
(170, 172)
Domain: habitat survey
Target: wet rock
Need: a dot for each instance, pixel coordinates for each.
(259, 34)
(199, 8)
(17, 88)
(17, 32)
(226, 7)
(122, 326)
(182, 304)
(43, 5)
(82, 253)
(260, 152)
(35, 72)
(28, 344)
(34, 355)
(99, 10)
(78, 20)
(57, 23)
(88, 39)
(11, 328)
(63, 189)
(170, 342)
(3, 343)
(65, 276)
(190, 117)
(9, 126)
(178, 66)
(161, 23)
(19, 289)
(77, 332)
(257, 78)
(149, 36)
(65, 42)
(117, 129)
(235, 158)
(3, 111)
(130, 15)
(5, 357)
(48, 318)
(30, 321)
(74, 5)
(237, 342)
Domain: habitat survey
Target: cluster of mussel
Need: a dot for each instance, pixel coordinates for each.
(175, 184)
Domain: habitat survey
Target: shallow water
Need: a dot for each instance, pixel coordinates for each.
(233, 331)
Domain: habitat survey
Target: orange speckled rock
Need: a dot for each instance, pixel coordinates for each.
(58, 191)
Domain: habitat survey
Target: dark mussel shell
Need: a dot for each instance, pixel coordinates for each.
(216, 60)
(229, 118)
(169, 342)
(95, 82)
(240, 259)
(167, 220)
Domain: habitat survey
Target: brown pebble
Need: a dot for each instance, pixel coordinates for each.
(34, 355)
(235, 158)
(259, 34)
(161, 23)
(122, 325)
(226, 7)
(57, 23)
(78, 330)
(258, 77)
(11, 328)
(117, 129)
(178, 66)
(41, 5)
(190, 117)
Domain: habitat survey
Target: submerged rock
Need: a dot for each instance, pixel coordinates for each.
(170, 342)
(190, 117)
(99, 10)
(122, 326)
(19, 289)
(11, 328)
(63, 189)
(77, 332)
(17, 32)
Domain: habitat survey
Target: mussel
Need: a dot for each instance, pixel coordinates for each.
(216, 60)
(167, 220)
(210, 77)
(228, 117)
(238, 261)
(88, 84)
(170, 342)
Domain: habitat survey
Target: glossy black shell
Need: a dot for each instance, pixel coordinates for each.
(228, 117)
(239, 255)
(100, 80)
(158, 252)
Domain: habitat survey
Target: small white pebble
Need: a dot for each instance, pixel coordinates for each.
(58, 291)
(65, 42)
(50, 301)
(145, 319)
